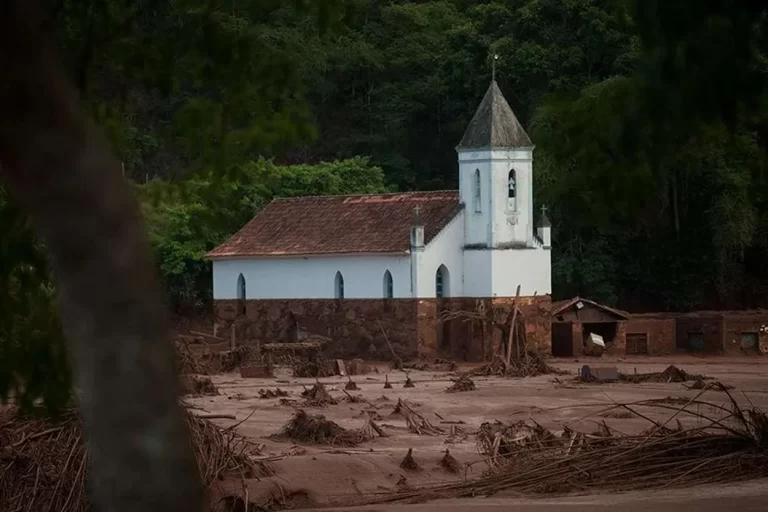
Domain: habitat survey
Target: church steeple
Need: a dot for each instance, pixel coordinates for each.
(494, 124)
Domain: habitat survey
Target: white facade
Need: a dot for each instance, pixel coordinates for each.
(312, 277)
(486, 250)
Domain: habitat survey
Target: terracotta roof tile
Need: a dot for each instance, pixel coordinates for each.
(340, 224)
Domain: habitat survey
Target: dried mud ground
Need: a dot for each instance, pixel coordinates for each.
(321, 476)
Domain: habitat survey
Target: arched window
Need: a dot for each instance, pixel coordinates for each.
(241, 287)
(512, 190)
(442, 282)
(478, 192)
(389, 286)
(339, 286)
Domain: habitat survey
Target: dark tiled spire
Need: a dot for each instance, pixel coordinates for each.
(494, 124)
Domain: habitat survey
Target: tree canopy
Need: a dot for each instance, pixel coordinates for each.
(649, 119)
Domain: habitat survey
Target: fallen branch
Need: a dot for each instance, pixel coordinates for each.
(416, 422)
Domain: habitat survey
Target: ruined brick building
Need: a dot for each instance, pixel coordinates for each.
(365, 269)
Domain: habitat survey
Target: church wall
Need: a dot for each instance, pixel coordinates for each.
(352, 326)
(529, 268)
(312, 277)
(478, 277)
(444, 249)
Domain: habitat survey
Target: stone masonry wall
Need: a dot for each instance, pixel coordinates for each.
(661, 333)
(709, 325)
(736, 323)
(354, 326)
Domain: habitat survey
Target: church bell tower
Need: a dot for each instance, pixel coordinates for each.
(496, 176)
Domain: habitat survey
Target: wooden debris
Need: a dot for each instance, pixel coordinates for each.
(409, 383)
(313, 367)
(197, 385)
(730, 445)
(457, 435)
(670, 374)
(463, 383)
(44, 461)
(309, 429)
(317, 396)
(409, 463)
(370, 430)
(231, 360)
(416, 422)
(387, 385)
(449, 463)
(269, 393)
(436, 365)
(529, 366)
(351, 385)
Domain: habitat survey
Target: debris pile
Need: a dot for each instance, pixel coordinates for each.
(529, 365)
(449, 463)
(409, 463)
(464, 383)
(731, 445)
(351, 386)
(317, 396)
(309, 429)
(196, 385)
(272, 393)
(317, 367)
(387, 385)
(671, 374)
(416, 422)
(408, 382)
(370, 430)
(44, 461)
(436, 365)
(457, 435)
(231, 360)
(306, 428)
(186, 362)
(500, 441)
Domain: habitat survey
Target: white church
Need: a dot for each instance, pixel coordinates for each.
(481, 241)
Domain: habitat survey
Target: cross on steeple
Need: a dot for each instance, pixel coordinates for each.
(493, 66)
(416, 216)
(543, 209)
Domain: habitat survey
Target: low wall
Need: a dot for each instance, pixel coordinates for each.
(660, 332)
(708, 331)
(357, 327)
(737, 324)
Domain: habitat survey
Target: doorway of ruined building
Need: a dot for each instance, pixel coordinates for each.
(562, 339)
(605, 329)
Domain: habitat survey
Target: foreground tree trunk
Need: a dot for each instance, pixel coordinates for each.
(111, 304)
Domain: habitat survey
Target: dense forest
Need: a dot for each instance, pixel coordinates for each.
(650, 122)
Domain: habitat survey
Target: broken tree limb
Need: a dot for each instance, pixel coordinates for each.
(512, 326)
(416, 422)
(216, 416)
(395, 358)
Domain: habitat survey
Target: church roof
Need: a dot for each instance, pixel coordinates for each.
(319, 225)
(494, 124)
